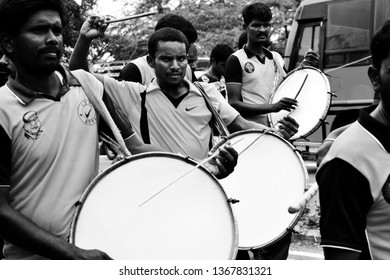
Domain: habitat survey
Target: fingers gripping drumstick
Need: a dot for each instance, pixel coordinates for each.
(307, 196)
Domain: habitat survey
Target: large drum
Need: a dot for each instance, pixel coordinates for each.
(137, 209)
(270, 175)
(310, 87)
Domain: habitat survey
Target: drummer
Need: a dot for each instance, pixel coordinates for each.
(252, 74)
(170, 112)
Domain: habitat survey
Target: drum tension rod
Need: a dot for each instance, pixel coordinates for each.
(332, 93)
(324, 121)
(233, 201)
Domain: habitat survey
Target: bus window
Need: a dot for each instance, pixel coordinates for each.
(347, 31)
(382, 13)
(310, 39)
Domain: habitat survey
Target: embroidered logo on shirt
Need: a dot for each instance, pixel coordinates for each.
(87, 113)
(249, 67)
(386, 190)
(190, 108)
(32, 125)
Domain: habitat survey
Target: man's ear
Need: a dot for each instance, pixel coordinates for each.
(373, 74)
(6, 43)
(150, 61)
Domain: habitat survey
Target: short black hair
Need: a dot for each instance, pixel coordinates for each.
(180, 23)
(221, 52)
(15, 13)
(380, 45)
(166, 34)
(259, 11)
(242, 40)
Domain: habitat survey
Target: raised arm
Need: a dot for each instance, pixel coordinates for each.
(91, 29)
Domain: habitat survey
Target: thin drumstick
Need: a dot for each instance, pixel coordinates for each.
(300, 89)
(213, 155)
(131, 17)
(302, 202)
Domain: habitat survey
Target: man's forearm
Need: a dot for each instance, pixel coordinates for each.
(79, 57)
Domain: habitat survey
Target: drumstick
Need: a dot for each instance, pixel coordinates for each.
(213, 155)
(130, 17)
(301, 203)
(299, 91)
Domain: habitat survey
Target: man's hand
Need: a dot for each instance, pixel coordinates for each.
(94, 27)
(287, 127)
(223, 164)
(311, 58)
(285, 103)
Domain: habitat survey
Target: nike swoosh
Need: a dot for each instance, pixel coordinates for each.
(189, 109)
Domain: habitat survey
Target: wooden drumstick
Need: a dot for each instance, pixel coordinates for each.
(307, 196)
(131, 17)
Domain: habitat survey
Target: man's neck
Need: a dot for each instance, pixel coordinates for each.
(175, 92)
(46, 84)
(381, 115)
(256, 48)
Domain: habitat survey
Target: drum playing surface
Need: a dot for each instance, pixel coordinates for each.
(191, 219)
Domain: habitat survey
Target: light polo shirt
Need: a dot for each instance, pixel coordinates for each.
(49, 154)
(184, 129)
(257, 78)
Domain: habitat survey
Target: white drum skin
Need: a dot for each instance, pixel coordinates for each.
(190, 219)
(310, 87)
(269, 176)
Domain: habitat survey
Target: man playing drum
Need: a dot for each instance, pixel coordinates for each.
(252, 74)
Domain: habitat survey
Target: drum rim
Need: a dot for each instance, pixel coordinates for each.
(94, 182)
(299, 214)
(327, 105)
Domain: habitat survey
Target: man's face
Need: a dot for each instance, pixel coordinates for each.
(258, 31)
(170, 63)
(384, 83)
(219, 67)
(192, 57)
(39, 44)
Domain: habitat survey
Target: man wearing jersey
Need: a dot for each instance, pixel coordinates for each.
(354, 176)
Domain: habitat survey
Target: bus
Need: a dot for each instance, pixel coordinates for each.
(341, 32)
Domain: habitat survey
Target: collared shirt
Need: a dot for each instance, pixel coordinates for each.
(256, 76)
(354, 187)
(183, 129)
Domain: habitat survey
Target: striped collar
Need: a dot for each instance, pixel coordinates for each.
(250, 54)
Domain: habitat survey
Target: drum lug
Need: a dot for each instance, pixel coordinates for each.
(233, 201)
(324, 121)
(333, 94)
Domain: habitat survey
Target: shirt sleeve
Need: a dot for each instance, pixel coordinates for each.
(345, 199)
(5, 158)
(233, 70)
(130, 73)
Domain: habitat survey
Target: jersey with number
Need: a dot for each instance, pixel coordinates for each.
(183, 129)
(49, 153)
(354, 181)
(258, 77)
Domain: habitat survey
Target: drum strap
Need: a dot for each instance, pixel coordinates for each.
(216, 120)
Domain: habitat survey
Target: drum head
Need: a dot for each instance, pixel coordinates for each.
(269, 176)
(191, 219)
(314, 99)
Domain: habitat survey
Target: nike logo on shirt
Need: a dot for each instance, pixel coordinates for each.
(190, 108)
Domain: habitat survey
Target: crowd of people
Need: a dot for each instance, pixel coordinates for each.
(50, 124)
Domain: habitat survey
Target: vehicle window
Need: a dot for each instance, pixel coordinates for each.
(310, 40)
(382, 13)
(347, 32)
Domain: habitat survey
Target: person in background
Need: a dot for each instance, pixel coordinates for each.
(6, 69)
(354, 176)
(192, 59)
(252, 74)
(215, 73)
(138, 70)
